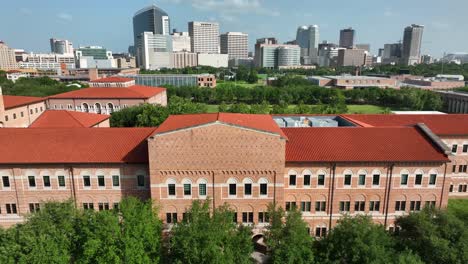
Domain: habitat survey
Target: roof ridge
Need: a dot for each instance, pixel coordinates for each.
(72, 116)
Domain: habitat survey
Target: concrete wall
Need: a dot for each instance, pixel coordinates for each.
(23, 116)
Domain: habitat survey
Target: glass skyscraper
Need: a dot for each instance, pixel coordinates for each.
(150, 19)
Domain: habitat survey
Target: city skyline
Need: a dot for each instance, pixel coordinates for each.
(383, 23)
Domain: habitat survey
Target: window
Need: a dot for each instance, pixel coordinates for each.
(263, 189)
(430, 204)
(11, 209)
(462, 168)
(101, 181)
(41, 109)
(263, 217)
(305, 206)
(362, 179)
(140, 181)
(320, 231)
(171, 189)
(321, 180)
(31, 111)
(247, 217)
(88, 206)
(320, 206)
(359, 206)
(14, 115)
(432, 179)
(454, 168)
(46, 180)
(32, 181)
(22, 114)
(232, 189)
(34, 207)
(86, 181)
(454, 148)
(415, 205)
(116, 206)
(376, 179)
(61, 181)
(290, 206)
(400, 205)
(247, 189)
(347, 179)
(6, 118)
(35, 110)
(115, 180)
(404, 179)
(462, 188)
(171, 218)
(465, 148)
(344, 206)
(187, 189)
(6, 181)
(103, 206)
(234, 217)
(451, 188)
(306, 180)
(292, 180)
(202, 189)
(374, 206)
(418, 179)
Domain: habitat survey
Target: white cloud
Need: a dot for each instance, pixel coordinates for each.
(25, 11)
(388, 13)
(65, 17)
(230, 8)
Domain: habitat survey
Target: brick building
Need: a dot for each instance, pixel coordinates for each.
(384, 166)
(20, 111)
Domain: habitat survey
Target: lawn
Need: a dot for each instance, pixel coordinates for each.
(352, 109)
(458, 208)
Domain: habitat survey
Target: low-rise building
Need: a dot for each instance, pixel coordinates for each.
(20, 111)
(70, 119)
(353, 82)
(433, 84)
(177, 80)
(14, 75)
(213, 60)
(351, 57)
(184, 59)
(455, 102)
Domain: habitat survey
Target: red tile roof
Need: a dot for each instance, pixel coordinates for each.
(442, 125)
(113, 79)
(132, 92)
(13, 101)
(356, 144)
(74, 145)
(63, 118)
(258, 122)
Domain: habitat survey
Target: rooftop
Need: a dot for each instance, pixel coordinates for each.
(13, 101)
(132, 92)
(113, 79)
(63, 118)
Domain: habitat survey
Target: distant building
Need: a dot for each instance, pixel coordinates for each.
(307, 38)
(391, 53)
(235, 44)
(365, 47)
(184, 59)
(124, 60)
(181, 42)
(154, 51)
(61, 46)
(94, 57)
(48, 61)
(20, 111)
(258, 49)
(157, 80)
(246, 62)
(7, 57)
(353, 82)
(150, 19)
(288, 56)
(412, 40)
(14, 75)
(269, 54)
(433, 83)
(204, 37)
(347, 38)
(328, 54)
(427, 59)
(213, 60)
(351, 57)
(455, 102)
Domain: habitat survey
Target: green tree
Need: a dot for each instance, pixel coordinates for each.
(253, 76)
(263, 108)
(151, 115)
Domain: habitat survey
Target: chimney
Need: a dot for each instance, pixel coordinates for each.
(93, 74)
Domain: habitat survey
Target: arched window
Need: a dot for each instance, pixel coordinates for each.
(263, 187)
(232, 186)
(292, 178)
(97, 107)
(247, 186)
(376, 178)
(110, 108)
(202, 184)
(362, 175)
(418, 177)
(85, 108)
(187, 184)
(347, 178)
(171, 187)
(404, 174)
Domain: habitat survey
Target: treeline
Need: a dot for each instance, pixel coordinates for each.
(39, 87)
(133, 233)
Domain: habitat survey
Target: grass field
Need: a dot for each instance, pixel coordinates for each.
(352, 109)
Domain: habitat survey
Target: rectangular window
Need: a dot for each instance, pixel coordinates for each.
(32, 181)
(344, 206)
(320, 231)
(232, 189)
(202, 189)
(290, 206)
(430, 204)
(61, 181)
(454, 148)
(292, 180)
(263, 189)
(347, 179)
(359, 206)
(115, 180)
(462, 188)
(171, 218)
(86, 181)
(362, 179)
(6, 181)
(374, 206)
(247, 217)
(234, 217)
(320, 206)
(88, 206)
(465, 148)
(187, 189)
(400, 205)
(418, 179)
(6, 118)
(376, 179)
(116, 206)
(247, 189)
(101, 181)
(404, 179)
(305, 206)
(432, 179)
(46, 180)
(11, 209)
(22, 114)
(306, 180)
(454, 168)
(141, 181)
(263, 217)
(451, 188)
(415, 205)
(34, 207)
(103, 206)
(171, 189)
(321, 180)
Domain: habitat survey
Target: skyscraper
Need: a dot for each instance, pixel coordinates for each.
(204, 37)
(307, 38)
(7, 57)
(347, 38)
(412, 38)
(154, 51)
(235, 44)
(61, 46)
(259, 60)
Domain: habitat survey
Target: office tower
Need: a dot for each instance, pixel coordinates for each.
(307, 38)
(347, 38)
(94, 57)
(365, 47)
(270, 54)
(7, 57)
(412, 38)
(235, 44)
(381, 52)
(154, 51)
(391, 53)
(61, 46)
(351, 57)
(258, 49)
(150, 19)
(181, 42)
(288, 55)
(328, 54)
(204, 37)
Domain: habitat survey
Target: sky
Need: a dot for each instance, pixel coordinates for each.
(29, 24)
